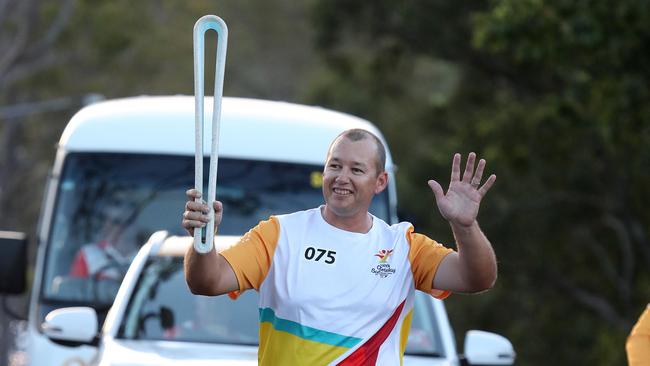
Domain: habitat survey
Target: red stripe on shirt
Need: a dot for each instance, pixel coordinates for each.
(79, 266)
(368, 352)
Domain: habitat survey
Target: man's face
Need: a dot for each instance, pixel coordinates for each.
(350, 178)
(112, 229)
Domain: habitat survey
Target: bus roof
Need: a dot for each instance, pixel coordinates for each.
(250, 128)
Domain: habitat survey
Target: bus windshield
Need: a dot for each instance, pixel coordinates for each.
(109, 204)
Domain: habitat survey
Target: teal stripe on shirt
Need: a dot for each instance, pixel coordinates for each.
(308, 333)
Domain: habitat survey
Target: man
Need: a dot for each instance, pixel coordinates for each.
(337, 284)
(109, 257)
(638, 342)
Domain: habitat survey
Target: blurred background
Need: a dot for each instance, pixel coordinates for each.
(554, 94)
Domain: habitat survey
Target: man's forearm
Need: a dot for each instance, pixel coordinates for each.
(200, 271)
(478, 262)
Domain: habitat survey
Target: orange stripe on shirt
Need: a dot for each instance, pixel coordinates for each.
(251, 257)
(425, 255)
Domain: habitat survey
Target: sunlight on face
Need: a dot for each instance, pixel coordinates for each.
(350, 178)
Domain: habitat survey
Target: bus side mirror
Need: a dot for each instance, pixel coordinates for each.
(13, 262)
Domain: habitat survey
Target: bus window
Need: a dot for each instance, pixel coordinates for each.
(109, 204)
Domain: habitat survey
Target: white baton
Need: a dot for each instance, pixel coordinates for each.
(203, 239)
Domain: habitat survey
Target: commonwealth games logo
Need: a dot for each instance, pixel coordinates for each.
(383, 255)
(383, 269)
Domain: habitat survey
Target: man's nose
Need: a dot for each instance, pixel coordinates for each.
(343, 175)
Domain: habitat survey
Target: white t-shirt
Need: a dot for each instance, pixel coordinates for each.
(330, 296)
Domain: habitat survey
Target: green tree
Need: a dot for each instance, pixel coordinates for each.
(554, 94)
(53, 53)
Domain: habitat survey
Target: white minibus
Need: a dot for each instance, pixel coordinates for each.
(126, 163)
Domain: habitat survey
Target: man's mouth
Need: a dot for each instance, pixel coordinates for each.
(342, 191)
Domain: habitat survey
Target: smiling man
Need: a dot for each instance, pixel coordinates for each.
(336, 283)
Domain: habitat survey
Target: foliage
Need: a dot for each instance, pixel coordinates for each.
(554, 95)
(63, 51)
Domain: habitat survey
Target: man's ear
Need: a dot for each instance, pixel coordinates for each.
(382, 182)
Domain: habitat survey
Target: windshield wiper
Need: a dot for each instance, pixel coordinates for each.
(423, 354)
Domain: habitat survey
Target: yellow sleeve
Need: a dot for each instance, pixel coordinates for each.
(638, 343)
(425, 256)
(251, 257)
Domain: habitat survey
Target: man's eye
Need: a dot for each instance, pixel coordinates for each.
(357, 170)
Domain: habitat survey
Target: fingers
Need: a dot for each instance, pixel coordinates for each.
(476, 180)
(218, 206)
(437, 189)
(469, 168)
(218, 213)
(191, 215)
(488, 184)
(455, 168)
(470, 176)
(193, 219)
(200, 206)
(196, 214)
(192, 194)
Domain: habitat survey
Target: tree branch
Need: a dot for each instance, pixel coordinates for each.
(54, 31)
(3, 11)
(639, 233)
(627, 256)
(26, 70)
(592, 301)
(17, 44)
(585, 238)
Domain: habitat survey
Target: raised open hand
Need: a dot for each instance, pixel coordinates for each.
(461, 203)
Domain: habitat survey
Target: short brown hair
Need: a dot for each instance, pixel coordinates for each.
(357, 134)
